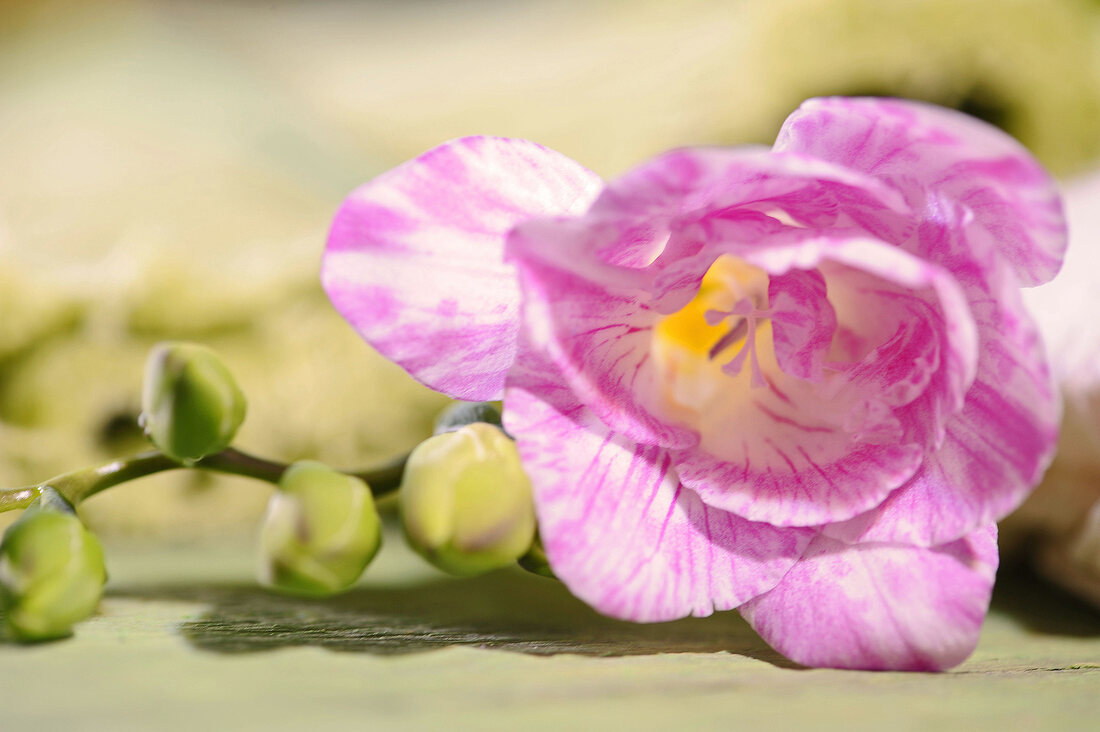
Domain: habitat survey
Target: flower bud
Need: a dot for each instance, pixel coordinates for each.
(51, 571)
(191, 404)
(465, 501)
(320, 532)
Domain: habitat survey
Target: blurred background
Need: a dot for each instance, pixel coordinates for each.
(169, 169)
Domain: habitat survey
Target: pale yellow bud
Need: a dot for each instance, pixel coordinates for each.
(320, 532)
(465, 501)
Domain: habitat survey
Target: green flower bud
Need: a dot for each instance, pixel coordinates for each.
(51, 571)
(320, 532)
(465, 501)
(191, 405)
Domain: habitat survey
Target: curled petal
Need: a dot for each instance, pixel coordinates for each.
(803, 322)
(996, 448)
(649, 229)
(708, 180)
(788, 485)
(915, 146)
(599, 341)
(905, 276)
(880, 606)
(415, 258)
(619, 529)
(819, 453)
(595, 285)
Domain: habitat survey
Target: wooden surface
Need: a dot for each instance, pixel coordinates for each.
(186, 640)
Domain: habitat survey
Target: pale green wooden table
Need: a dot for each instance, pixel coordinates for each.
(187, 641)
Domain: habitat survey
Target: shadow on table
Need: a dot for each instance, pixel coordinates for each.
(510, 611)
(1040, 606)
(515, 611)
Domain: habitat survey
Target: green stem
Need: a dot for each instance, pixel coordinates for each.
(82, 484)
(14, 498)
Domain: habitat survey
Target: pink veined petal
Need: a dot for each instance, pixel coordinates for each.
(415, 257)
(919, 369)
(996, 448)
(799, 453)
(994, 453)
(916, 146)
(690, 180)
(619, 529)
(796, 454)
(803, 323)
(604, 356)
(861, 254)
(660, 215)
(881, 606)
(594, 285)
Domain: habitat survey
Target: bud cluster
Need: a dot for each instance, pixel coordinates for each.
(465, 502)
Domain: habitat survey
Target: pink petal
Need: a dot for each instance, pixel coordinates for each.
(415, 257)
(594, 285)
(787, 484)
(688, 180)
(919, 345)
(880, 606)
(803, 324)
(914, 146)
(619, 529)
(599, 341)
(800, 453)
(659, 216)
(997, 447)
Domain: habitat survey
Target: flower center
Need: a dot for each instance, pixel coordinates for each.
(708, 341)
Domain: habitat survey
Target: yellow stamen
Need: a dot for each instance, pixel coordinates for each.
(691, 354)
(728, 281)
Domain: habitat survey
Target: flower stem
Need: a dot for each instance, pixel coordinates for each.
(86, 482)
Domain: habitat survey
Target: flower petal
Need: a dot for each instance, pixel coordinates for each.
(997, 447)
(819, 453)
(595, 285)
(619, 529)
(599, 341)
(415, 257)
(704, 180)
(914, 146)
(881, 606)
(803, 323)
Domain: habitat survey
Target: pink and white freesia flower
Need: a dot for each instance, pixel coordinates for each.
(798, 381)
